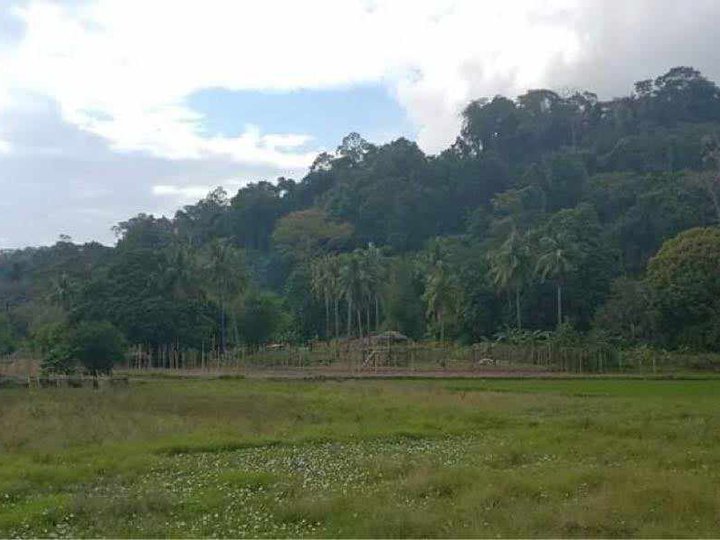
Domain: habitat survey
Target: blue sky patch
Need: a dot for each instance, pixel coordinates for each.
(327, 115)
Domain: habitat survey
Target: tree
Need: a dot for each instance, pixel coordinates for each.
(144, 232)
(489, 126)
(353, 281)
(566, 178)
(710, 180)
(375, 274)
(333, 285)
(199, 223)
(353, 148)
(404, 309)
(8, 341)
(544, 197)
(556, 261)
(684, 277)
(226, 280)
(306, 233)
(97, 346)
(63, 291)
(510, 268)
(441, 288)
(262, 317)
(629, 312)
(324, 275)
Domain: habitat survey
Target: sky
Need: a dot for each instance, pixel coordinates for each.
(109, 108)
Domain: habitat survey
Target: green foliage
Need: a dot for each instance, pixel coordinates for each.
(97, 346)
(262, 318)
(305, 307)
(510, 267)
(442, 293)
(403, 302)
(58, 358)
(567, 335)
(542, 201)
(685, 279)
(566, 180)
(307, 233)
(8, 342)
(629, 312)
(93, 346)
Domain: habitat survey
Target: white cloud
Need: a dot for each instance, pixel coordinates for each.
(123, 70)
(94, 93)
(184, 193)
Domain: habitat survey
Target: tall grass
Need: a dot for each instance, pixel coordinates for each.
(441, 458)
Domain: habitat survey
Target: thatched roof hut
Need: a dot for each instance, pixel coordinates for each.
(391, 336)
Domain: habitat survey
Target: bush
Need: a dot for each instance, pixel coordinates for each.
(98, 346)
(686, 282)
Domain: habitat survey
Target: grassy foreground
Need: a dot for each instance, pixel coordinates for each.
(416, 458)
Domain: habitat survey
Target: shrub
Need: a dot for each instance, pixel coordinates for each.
(97, 346)
(685, 279)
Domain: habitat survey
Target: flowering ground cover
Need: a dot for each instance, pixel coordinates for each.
(433, 458)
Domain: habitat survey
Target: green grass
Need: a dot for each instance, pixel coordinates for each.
(423, 458)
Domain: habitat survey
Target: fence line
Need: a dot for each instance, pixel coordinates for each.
(367, 355)
(370, 356)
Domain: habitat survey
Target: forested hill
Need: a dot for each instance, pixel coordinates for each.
(545, 212)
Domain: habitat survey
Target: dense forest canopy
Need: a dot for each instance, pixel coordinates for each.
(549, 212)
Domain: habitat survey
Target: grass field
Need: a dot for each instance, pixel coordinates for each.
(452, 458)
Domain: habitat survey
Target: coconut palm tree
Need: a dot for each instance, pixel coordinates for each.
(62, 291)
(510, 267)
(355, 284)
(320, 283)
(441, 294)
(334, 285)
(350, 285)
(180, 274)
(556, 261)
(227, 279)
(375, 264)
(442, 291)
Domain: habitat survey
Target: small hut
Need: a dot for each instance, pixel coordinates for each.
(389, 348)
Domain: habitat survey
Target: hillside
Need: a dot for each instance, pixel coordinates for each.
(544, 214)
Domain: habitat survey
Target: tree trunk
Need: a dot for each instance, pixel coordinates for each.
(517, 308)
(236, 329)
(559, 305)
(337, 318)
(377, 313)
(349, 318)
(359, 320)
(223, 330)
(327, 317)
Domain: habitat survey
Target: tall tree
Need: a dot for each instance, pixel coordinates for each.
(442, 292)
(226, 280)
(510, 267)
(555, 261)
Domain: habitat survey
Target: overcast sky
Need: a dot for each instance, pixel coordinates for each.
(109, 108)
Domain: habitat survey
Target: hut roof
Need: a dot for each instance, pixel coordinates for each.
(391, 336)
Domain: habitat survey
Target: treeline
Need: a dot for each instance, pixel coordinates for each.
(548, 213)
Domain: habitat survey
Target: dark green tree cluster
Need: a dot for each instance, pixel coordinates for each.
(548, 211)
